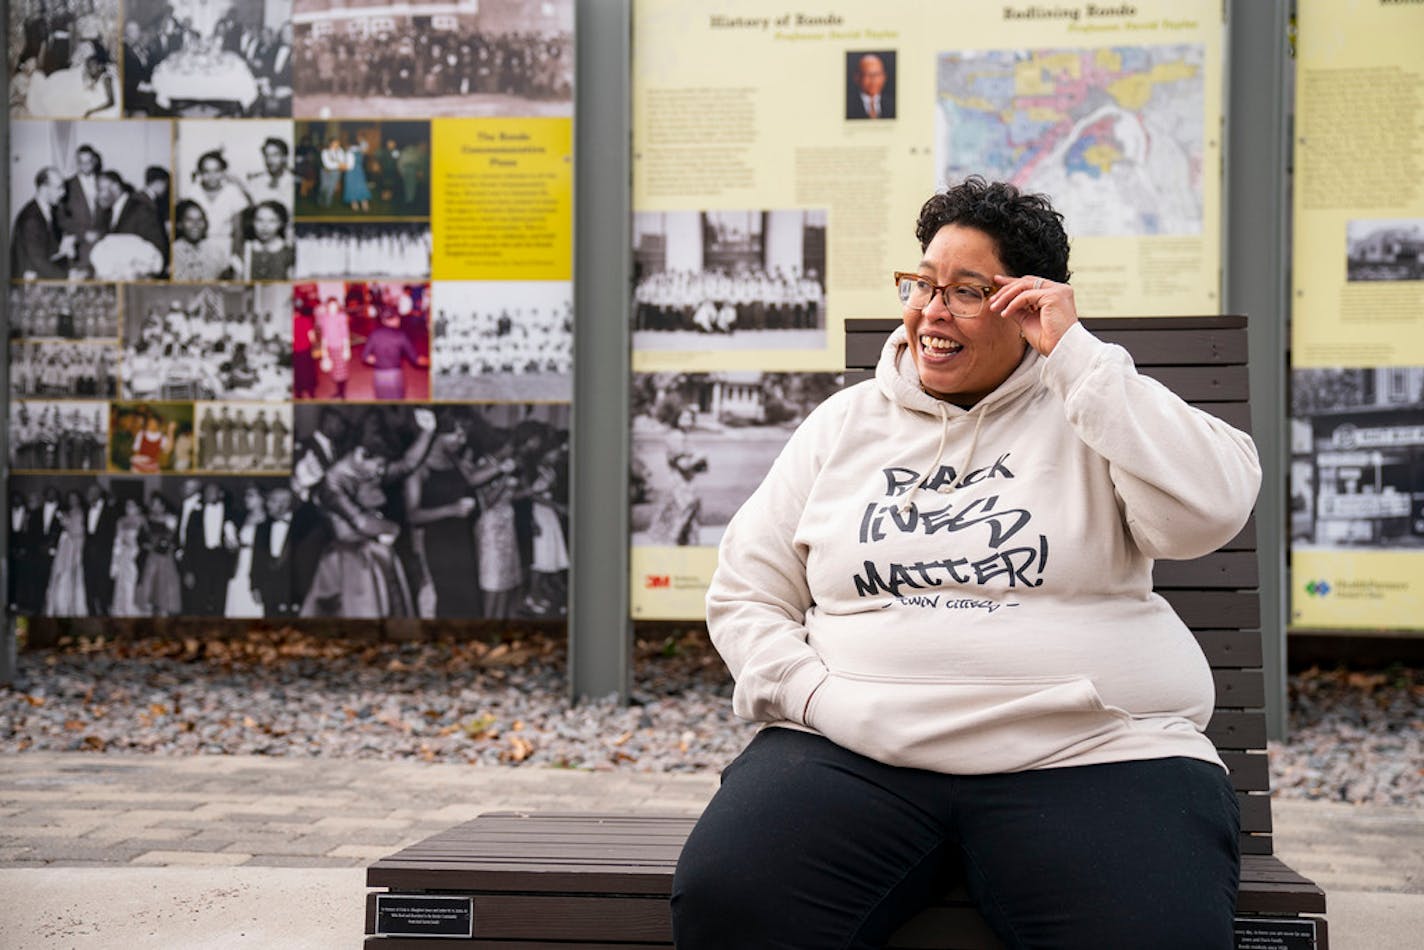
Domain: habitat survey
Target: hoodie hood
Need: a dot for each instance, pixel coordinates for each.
(899, 381)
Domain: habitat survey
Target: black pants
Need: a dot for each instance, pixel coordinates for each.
(808, 845)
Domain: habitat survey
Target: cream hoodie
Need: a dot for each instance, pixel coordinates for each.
(970, 591)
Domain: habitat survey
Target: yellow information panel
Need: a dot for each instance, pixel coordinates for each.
(780, 158)
(1357, 380)
(501, 204)
(1359, 185)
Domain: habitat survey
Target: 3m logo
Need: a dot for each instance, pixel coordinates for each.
(658, 580)
(1318, 588)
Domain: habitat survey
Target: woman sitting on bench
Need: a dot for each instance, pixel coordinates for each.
(940, 603)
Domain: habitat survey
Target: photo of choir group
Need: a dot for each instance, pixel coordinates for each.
(64, 312)
(729, 280)
(224, 338)
(39, 368)
(505, 340)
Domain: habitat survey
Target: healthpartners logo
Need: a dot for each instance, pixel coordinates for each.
(1357, 589)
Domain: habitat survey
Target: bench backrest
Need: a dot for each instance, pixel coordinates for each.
(1203, 360)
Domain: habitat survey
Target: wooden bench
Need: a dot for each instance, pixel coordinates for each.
(602, 881)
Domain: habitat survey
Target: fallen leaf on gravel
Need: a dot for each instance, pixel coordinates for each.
(520, 749)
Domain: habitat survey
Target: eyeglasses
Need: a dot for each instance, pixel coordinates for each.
(961, 299)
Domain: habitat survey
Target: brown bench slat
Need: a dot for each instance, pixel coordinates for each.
(1203, 383)
(615, 919)
(1226, 569)
(1249, 771)
(1239, 689)
(1213, 609)
(426, 943)
(1230, 648)
(1237, 731)
(1255, 812)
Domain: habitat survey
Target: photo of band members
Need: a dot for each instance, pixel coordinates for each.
(223, 341)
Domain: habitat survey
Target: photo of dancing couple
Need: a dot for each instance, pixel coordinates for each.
(702, 442)
(449, 511)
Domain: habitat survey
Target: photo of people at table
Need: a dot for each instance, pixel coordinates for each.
(64, 311)
(361, 340)
(93, 199)
(244, 436)
(199, 58)
(63, 57)
(447, 511)
(370, 170)
(233, 219)
(58, 435)
(225, 341)
(147, 438)
(485, 59)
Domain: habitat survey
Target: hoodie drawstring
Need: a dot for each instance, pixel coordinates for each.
(939, 453)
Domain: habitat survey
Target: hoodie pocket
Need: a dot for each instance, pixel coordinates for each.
(963, 725)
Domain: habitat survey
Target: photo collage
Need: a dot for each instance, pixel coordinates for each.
(242, 383)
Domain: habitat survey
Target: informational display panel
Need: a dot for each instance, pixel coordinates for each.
(1357, 350)
(780, 158)
(291, 316)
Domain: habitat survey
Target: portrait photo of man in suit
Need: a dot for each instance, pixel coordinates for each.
(38, 247)
(870, 84)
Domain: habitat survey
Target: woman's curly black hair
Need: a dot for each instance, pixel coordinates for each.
(1027, 231)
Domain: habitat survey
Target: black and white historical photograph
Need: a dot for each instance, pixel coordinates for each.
(64, 58)
(244, 436)
(444, 511)
(93, 200)
(135, 546)
(63, 534)
(40, 368)
(702, 442)
(361, 340)
(220, 341)
(426, 58)
(503, 340)
(363, 170)
(58, 435)
(64, 312)
(148, 438)
(1385, 249)
(1357, 458)
(235, 187)
(729, 280)
(206, 58)
(385, 249)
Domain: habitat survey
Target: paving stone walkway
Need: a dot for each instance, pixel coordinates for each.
(83, 810)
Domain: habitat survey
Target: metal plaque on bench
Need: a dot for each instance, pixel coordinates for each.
(1275, 933)
(424, 915)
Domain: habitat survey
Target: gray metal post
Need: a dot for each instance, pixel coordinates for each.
(8, 659)
(1257, 269)
(600, 628)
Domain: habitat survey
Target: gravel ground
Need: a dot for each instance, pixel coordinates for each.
(1355, 736)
